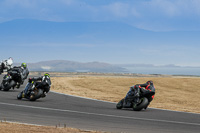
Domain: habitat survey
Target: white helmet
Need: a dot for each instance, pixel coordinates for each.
(10, 61)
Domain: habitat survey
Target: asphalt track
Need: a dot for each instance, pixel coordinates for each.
(87, 114)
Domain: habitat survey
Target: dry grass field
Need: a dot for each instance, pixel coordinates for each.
(21, 128)
(174, 93)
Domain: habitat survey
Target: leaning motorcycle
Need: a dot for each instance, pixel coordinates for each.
(10, 80)
(30, 92)
(137, 103)
(1, 68)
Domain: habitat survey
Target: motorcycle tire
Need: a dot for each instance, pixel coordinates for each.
(36, 95)
(143, 104)
(19, 96)
(32, 98)
(7, 88)
(120, 104)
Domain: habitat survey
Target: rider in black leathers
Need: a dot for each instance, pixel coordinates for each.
(137, 90)
(23, 71)
(44, 84)
(23, 74)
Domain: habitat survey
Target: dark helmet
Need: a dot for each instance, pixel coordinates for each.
(149, 82)
(46, 75)
(24, 65)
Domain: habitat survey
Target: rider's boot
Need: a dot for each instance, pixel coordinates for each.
(23, 94)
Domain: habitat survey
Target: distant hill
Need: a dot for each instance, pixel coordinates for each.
(147, 65)
(134, 65)
(72, 66)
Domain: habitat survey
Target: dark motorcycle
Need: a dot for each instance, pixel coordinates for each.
(137, 103)
(30, 92)
(1, 68)
(10, 80)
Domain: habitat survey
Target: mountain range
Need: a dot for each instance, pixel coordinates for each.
(72, 66)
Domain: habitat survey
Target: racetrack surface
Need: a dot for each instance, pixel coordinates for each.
(87, 114)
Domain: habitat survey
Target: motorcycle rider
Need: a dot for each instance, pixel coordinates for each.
(44, 84)
(23, 71)
(137, 90)
(6, 64)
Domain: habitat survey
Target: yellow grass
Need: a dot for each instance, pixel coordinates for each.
(174, 93)
(21, 128)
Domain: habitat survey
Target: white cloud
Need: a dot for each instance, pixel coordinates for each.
(119, 9)
(67, 2)
(64, 45)
(175, 7)
(156, 15)
(46, 67)
(19, 3)
(164, 7)
(35, 3)
(53, 10)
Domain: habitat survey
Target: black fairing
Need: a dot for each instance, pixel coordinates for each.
(148, 95)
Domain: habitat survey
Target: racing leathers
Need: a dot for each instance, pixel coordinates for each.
(44, 84)
(24, 72)
(135, 91)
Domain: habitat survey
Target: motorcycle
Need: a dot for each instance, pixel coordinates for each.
(30, 92)
(137, 103)
(10, 80)
(1, 68)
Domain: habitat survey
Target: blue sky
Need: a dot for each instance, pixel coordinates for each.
(112, 31)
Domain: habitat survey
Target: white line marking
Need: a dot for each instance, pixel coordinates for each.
(23, 123)
(107, 115)
(116, 103)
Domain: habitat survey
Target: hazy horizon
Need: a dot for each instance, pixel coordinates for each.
(117, 64)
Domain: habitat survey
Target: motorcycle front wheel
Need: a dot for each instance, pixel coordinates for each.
(19, 96)
(120, 104)
(142, 104)
(36, 95)
(8, 87)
